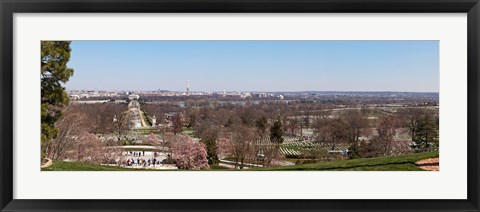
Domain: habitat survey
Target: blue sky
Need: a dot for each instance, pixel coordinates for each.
(256, 65)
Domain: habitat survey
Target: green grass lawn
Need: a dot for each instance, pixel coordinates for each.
(392, 163)
(78, 166)
(218, 168)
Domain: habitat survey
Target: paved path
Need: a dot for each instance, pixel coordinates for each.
(146, 147)
(157, 167)
(431, 164)
(231, 164)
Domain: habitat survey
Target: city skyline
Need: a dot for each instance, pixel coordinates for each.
(254, 91)
(267, 66)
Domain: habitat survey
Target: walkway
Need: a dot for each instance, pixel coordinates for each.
(431, 164)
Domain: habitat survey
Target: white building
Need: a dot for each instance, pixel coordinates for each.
(74, 96)
(246, 95)
(133, 96)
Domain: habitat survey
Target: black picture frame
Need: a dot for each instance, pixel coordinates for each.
(9, 7)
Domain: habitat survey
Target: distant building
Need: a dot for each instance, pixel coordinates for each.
(262, 95)
(154, 121)
(133, 97)
(246, 95)
(84, 96)
(74, 96)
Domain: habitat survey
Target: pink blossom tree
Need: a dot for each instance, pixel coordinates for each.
(153, 139)
(189, 154)
(224, 147)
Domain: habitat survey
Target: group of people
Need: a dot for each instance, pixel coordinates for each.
(135, 154)
(142, 162)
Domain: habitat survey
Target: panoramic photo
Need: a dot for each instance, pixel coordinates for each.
(240, 105)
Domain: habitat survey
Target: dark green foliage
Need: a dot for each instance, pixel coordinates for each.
(191, 120)
(209, 138)
(372, 148)
(208, 135)
(426, 136)
(54, 73)
(276, 132)
(147, 117)
(306, 122)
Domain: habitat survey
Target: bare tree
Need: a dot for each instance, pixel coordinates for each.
(412, 117)
(109, 153)
(262, 126)
(100, 115)
(247, 115)
(331, 131)
(177, 123)
(293, 125)
(386, 128)
(355, 121)
(87, 148)
(243, 145)
(121, 124)
(70, 127)
(270, 153)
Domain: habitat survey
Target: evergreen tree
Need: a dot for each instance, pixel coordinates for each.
(210, 139)
(54, 73)
(208, 134)
(276, 132)
(426, 136)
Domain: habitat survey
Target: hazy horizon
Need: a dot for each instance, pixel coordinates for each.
(325, 91)
(256, 66)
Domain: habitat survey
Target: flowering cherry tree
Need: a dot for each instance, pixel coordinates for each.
(153, 139)
(224, 147)
(189, 154)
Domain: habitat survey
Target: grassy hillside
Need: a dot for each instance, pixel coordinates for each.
(392, 163)
(77, 166)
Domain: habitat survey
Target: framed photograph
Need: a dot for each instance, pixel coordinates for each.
(352, 105)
